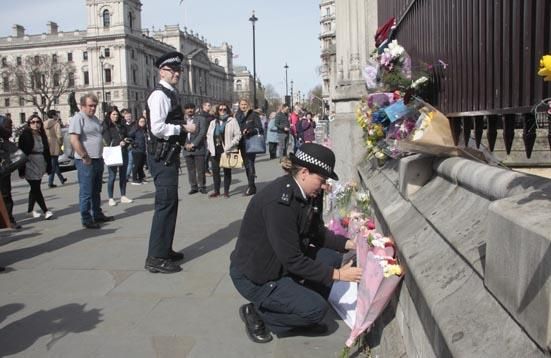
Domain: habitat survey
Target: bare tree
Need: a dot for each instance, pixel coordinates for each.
(315, 100)
(41, 80)
(274, 98)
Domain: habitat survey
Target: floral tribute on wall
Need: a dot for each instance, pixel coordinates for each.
(360, 304)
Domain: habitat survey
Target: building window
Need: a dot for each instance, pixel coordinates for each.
(107, 97)
(43, 100)
(69, 57)
(56, 100)
(4, 62)
(54, 58)
(327, 11)
(108, 75)
(6, 84)
(147, 83)
(71, 82)
(6, 102)
(146, 60)
(21, 101)
(130, 20)
(136, 96)
(56, 79)
(107, 52)
(85, 55)
(18, 60)
(133, 54)
(22, 117)
(37, 60)
(135, 76)
(238, 85)
(86, 77)
(106, 18)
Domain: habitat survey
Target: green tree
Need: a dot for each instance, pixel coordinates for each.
(41, 80)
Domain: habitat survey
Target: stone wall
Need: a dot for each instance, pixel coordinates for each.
(475, 242)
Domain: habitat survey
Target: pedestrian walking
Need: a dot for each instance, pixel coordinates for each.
(87, 141)
(285, 259)
(223, 137)
(129, 122)
(271, 136)
(6, 129)
(115, 134)
(34, 143)
(52, 127)
(166, 130)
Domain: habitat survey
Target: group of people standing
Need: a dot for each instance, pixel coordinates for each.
(299, 126)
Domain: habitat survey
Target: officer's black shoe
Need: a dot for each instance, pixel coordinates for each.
(91, 225)
(250, 191)
(175, 256)
(104, 219)
(160, 265)
(193, 191)
(203, 190)
(256, 330)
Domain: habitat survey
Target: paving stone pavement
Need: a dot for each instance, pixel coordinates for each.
(72, 292)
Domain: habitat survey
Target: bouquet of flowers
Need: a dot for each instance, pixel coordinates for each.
(545, 68)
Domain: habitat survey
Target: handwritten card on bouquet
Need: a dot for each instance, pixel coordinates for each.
(343, 298)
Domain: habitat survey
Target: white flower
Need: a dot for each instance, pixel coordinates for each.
(394, 49)
(419, 82)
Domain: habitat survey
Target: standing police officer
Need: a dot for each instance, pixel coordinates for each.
(165, 130)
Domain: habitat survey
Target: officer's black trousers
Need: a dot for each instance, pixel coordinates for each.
(285, 303)
(166, 207)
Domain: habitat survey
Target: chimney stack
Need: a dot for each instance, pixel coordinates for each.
(18, 30)
(52, 28)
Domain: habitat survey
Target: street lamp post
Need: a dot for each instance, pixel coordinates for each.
(101, 60)
(253, 19)
(286, 67)
(292, 99)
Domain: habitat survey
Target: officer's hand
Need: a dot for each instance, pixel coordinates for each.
(349, 273)
(350, 245)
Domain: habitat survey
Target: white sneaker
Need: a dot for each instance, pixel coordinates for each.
(126, 200)
(48, 214)
(136, 183)
(36, 214)
(112, 202)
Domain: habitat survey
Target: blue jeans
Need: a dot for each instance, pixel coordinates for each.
(129, 165)
(55, 170)
(113, 175)
(285, 303)
(89, 180)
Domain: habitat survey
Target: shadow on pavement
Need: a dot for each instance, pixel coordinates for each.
(9, 309)
(212, 242)
(11, 257)
(55, 323)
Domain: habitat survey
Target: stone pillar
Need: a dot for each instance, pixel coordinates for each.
(356, 23)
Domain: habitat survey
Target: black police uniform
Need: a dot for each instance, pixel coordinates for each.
(282, 241)
(164, 168)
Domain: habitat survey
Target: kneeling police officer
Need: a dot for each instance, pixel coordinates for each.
(285, 260)
(166, 128)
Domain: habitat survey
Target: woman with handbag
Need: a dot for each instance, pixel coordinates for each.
(223, 136)
(34, 143)
(115, 133)
(253, 134)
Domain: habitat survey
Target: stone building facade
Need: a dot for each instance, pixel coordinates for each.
(328, 40)
(114, 58)
(243, 87)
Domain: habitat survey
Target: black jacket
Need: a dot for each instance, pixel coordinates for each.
(276, 231)
(252, 123)
(281, 122)
(26, 144)
(113, 135)
(138, 135)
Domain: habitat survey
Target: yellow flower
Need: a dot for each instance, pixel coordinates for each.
(545, 68)
(392, 270)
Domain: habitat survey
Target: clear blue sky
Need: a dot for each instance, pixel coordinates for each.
(287, 30)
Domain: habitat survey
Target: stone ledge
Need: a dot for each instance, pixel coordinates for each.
(458, 315)
(518, 263)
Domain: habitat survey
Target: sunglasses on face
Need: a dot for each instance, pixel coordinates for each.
(222, 109)
(36, 122)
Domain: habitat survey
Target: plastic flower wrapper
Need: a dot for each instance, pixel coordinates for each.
(380, 100)
(370, 72)
(545, 68)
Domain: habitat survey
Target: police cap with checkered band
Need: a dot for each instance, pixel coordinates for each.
(316, 158)
(172, 59)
